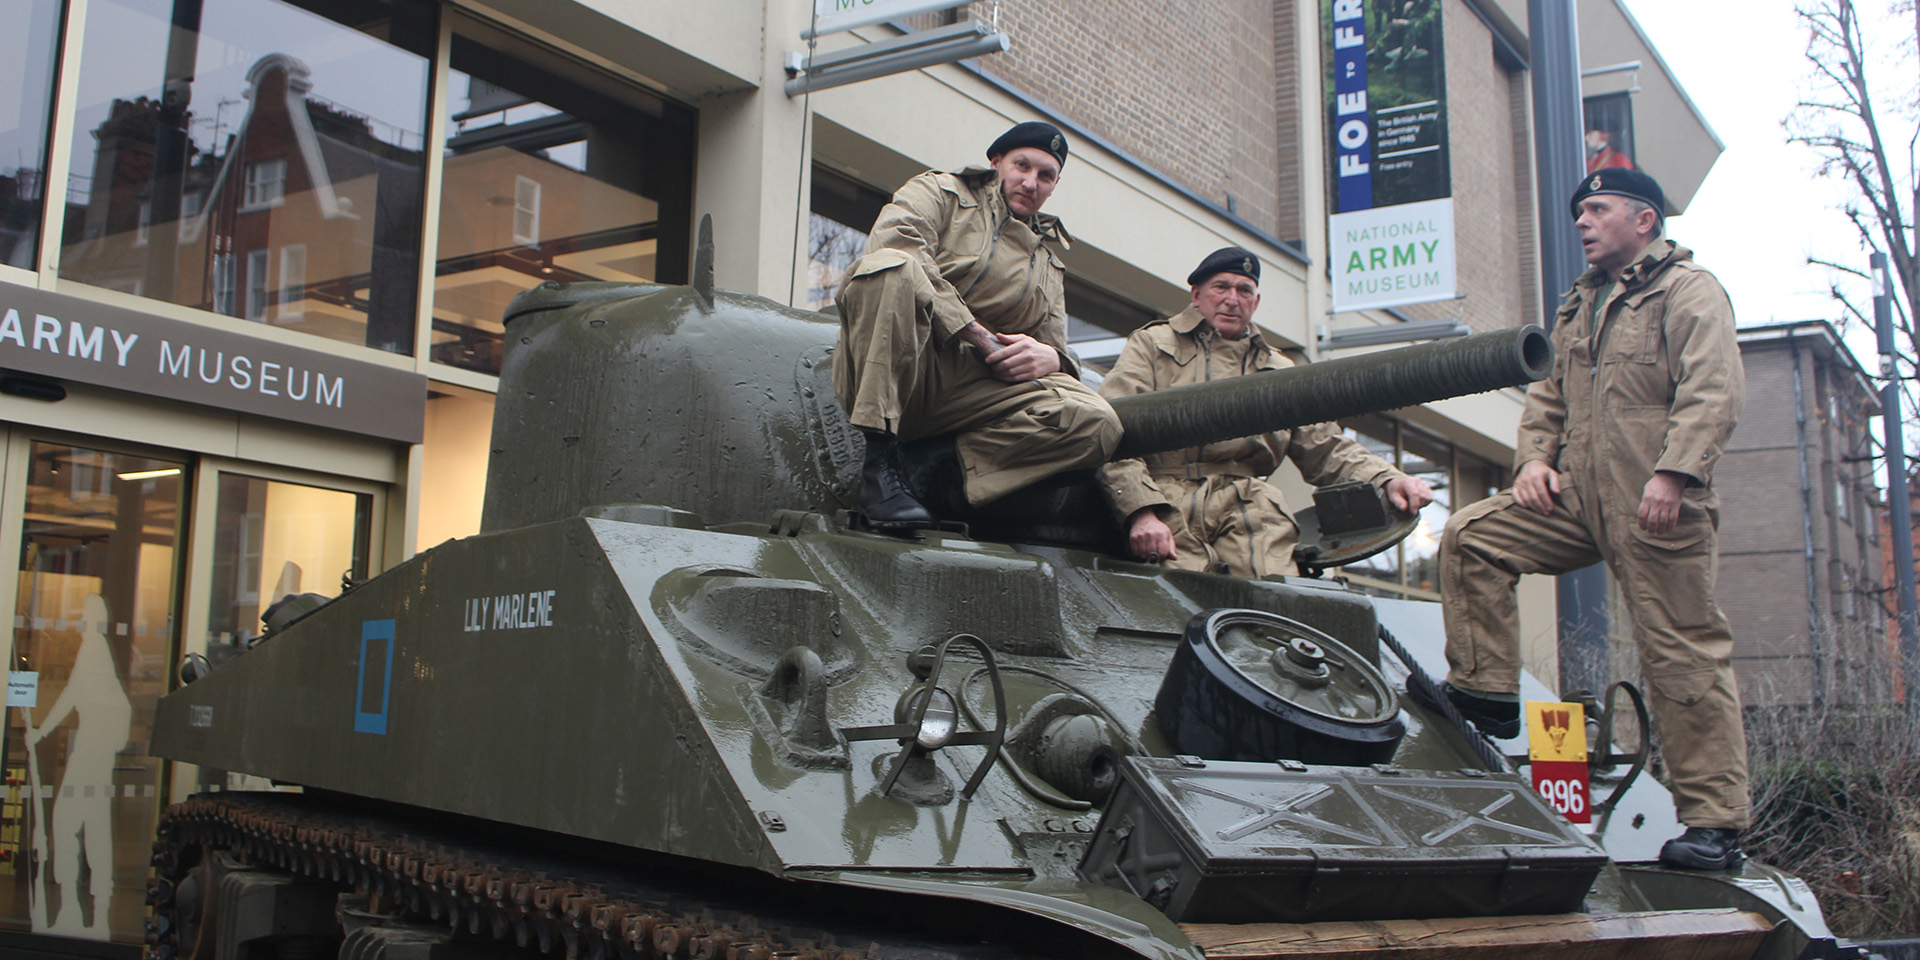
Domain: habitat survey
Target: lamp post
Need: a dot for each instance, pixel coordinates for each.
(1902, 513)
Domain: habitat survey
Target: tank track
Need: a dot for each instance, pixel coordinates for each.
(476, 893)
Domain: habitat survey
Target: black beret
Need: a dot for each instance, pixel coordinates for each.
(1626, 183)
(1226, 260)
(1034, 133)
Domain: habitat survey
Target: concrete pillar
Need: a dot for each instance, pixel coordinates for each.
(755, 177)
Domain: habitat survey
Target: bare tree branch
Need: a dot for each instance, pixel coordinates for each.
(1841, 120)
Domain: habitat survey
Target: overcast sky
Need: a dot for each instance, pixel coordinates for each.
(1762, 210)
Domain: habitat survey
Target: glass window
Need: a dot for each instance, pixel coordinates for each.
(1458, 478)
(26, 74)
(1098, 322)
(259, 125)
(94, 625)
(274, 539)
(1380, 436)
(256, 285)
(266, 183)
(843, 211)
(1429, 459)
(549, 176)
(293, 280)
(1609, 131)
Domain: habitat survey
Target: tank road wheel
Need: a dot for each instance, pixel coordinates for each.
(1255, 686)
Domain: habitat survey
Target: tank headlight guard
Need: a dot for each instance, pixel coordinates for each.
(927, 718)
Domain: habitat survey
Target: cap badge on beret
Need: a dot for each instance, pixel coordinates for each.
(1246, 265)
(1595, 185)
(1055, 146)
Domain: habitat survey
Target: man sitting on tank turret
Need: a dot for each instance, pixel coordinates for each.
(954, 322)
(1210, 507)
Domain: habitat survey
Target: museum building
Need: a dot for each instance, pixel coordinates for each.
(255, 255)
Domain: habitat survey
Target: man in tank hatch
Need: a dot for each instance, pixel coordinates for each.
(954, 322)
(1615, 463)
(1211, 507)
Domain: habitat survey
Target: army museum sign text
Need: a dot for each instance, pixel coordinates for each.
(73, 339)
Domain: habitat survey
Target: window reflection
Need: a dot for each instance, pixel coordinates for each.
(548, 179)
(26, 73)
(843, 211)
(209, 155)
(1458, 479)
(275, 539)
(93, 624)
(1431, 459)
(1380, 436)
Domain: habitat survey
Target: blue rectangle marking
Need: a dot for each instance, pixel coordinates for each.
(376, 647)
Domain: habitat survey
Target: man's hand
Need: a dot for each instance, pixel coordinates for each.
(1013, 357)
(1409, 494)
(1660, 502)
(1536, 486)
(1022, 358)
(1148, 536)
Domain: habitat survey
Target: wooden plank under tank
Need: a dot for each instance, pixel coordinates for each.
(1664, 935)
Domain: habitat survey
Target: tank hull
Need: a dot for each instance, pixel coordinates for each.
(609, 681)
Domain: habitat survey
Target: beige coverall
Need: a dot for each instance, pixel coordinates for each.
(1654, 384)
(1225, 517)
(946, 252)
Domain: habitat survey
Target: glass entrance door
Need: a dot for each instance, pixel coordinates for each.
(92, 641)
(274, 539)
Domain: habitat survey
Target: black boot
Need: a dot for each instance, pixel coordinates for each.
(1499, 719)
(885, 498)
(932, 466)
(1703, 848)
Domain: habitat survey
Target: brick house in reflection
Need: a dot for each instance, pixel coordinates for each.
(303, 218)
(306, 217)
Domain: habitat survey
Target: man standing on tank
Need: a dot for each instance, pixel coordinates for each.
(1210, 507)
(1615, 462)
(955, 321)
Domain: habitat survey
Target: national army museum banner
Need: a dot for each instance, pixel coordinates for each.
(1391, 231)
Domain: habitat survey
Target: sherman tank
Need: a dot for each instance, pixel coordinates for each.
(676, 700)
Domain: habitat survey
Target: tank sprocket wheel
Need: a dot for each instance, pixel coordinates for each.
(410, 875)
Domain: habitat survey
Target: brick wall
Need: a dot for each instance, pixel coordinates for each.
(1189, 89)
(1289, 87)
(1211, 94)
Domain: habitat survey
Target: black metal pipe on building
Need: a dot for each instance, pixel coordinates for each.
(1554, 48)
(1900, 517)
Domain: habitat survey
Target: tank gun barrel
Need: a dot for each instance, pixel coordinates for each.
(1330, 389)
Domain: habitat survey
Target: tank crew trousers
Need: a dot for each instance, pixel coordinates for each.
(1228, 523)
(1010, 435)
(1685, 645)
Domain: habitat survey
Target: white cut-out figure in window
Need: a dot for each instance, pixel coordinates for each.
(80, 828)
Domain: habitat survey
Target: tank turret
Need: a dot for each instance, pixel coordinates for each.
(725, 408)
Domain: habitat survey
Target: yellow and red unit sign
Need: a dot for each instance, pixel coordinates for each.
(1557, 756)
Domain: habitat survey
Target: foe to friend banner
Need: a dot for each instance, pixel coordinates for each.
(1391, 232)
